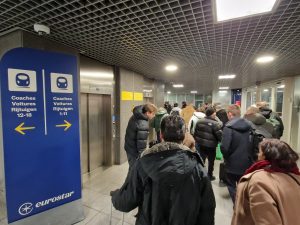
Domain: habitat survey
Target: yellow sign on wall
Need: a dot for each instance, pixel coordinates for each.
(127, 96)
(138, 96)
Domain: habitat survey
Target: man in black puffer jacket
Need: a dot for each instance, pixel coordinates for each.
(207, 135)
(168, 183)
(236, 147)
(137, 131)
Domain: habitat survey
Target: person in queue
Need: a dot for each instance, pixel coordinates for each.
(236, 147)
(269, 192)
(137, 131)
(168, 183)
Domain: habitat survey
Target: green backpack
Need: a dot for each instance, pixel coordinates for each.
(276, 127)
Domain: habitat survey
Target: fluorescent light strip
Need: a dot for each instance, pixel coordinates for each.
(96, 74)
(171, 68)
(223, 92)
(229, 76)
(178, 85)
(194, 92)
(168, 92)
(223, 88)
(265, 59)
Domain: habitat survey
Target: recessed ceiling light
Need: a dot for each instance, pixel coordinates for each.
(223, 88)
(194, 92)
(265, 59)
(169, 92)
(281, 86)
(171, 68)
(232, 9)
(228, 76)
(178, 85)
(266, 90)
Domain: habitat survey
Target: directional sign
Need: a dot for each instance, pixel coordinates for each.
(40, 122)
(21, 128)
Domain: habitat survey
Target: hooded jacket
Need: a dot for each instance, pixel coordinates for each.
(192, 124)
(155, 122)
(169, 186)
(260, 124)
(269, 114)
(136, 132)
(267, 198)
(236, 146)
(176, 111)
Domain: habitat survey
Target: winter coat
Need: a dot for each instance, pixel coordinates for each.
(265, 198)
(187, 113)
(169, 186)
(236, 146)
(222, 115)
(155, 122)
(192, 124)
(208, 132)
(260, 124)
(176, 111)
(136, 132)
(268, 114)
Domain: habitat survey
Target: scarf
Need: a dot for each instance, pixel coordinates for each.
(267, 166)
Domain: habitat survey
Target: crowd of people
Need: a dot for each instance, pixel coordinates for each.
(169, 183)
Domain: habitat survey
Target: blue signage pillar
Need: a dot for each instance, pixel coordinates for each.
(40, 127)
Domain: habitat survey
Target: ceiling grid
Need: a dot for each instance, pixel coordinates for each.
(144, 35)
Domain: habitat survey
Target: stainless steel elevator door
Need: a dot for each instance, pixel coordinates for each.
(96, 130)
(84, 133)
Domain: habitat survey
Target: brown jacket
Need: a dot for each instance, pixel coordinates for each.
(187, 113)
(265, 198)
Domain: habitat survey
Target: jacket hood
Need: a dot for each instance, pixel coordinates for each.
(169, 162)
(256, 118)
(138, 113)
(266, 112)
(161, 111)
(199, 115)
(239, 124)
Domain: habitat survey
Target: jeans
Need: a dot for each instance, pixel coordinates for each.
(232, 181)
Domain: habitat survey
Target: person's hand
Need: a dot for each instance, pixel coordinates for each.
(113, 192)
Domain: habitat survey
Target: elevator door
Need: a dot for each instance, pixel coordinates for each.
(96, 131)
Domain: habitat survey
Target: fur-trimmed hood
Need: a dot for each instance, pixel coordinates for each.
(165, 146)
(169, 162)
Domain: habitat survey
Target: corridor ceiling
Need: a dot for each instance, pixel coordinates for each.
(144, 36)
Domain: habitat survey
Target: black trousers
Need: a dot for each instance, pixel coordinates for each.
(209, 153)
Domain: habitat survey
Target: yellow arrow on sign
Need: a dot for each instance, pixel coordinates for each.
(20, 128)
(66, 124)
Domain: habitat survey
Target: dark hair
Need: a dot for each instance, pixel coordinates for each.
(279, 153)
(209, 111)
(184, 104)
(173, 128)
(175, 104)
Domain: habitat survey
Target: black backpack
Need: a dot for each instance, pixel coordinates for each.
(256, 136)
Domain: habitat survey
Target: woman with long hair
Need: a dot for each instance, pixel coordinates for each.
(269, 192)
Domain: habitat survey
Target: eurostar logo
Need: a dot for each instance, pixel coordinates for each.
(25, 209)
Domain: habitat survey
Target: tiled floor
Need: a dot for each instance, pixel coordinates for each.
(97, 202)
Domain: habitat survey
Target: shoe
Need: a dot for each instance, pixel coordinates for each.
(212, 178)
